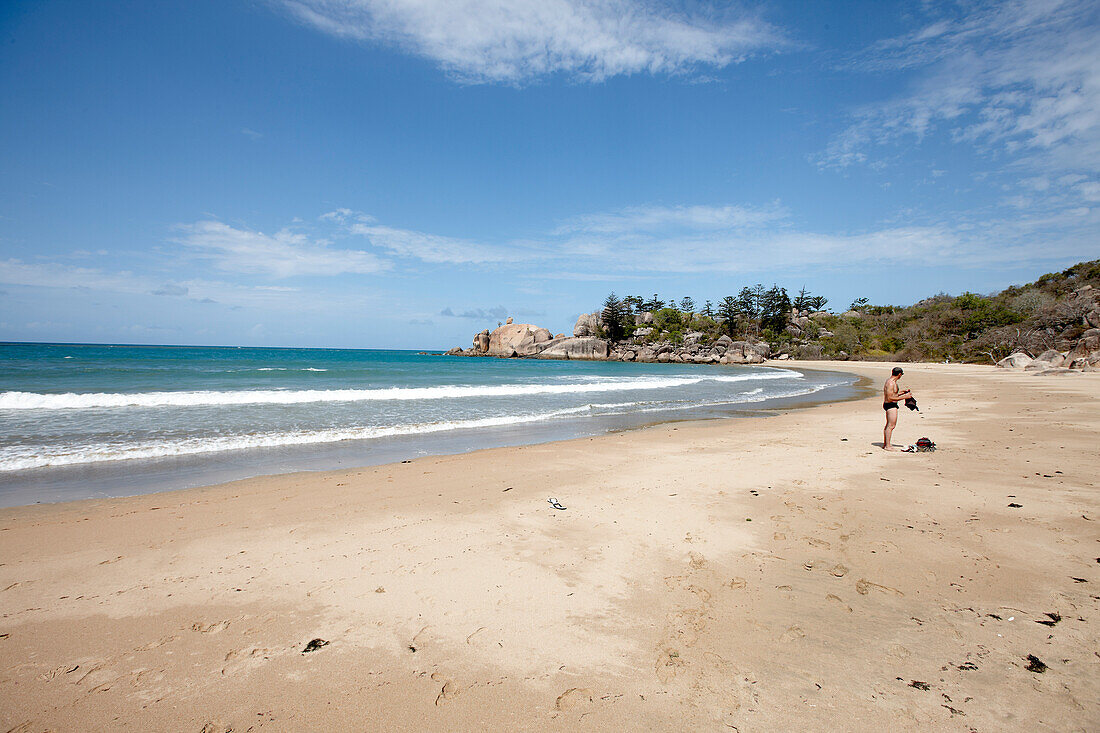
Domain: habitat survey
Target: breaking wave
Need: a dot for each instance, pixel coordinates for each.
(108, 400)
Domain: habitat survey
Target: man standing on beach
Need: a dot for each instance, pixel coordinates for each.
(891, 395)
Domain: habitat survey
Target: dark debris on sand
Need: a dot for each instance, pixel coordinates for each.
(1053, 619)
(314, 645)
(1036, 665)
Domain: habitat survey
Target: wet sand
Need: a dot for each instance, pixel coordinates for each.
(765, 573)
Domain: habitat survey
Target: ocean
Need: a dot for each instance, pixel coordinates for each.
(81, 421)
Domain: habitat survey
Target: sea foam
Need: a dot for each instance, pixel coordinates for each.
(107, 400)
(16, 461)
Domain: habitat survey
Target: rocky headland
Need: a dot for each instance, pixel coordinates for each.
(525, 340)
(1050, 326)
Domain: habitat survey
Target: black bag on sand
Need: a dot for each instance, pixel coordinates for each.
(924, 445)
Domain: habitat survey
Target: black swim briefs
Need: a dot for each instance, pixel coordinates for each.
(889, 405)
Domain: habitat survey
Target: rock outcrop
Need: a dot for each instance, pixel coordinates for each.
(724, 350)
(516, 339)
(587, 325)
(1019, 360)
(577, 347)
(481, 341)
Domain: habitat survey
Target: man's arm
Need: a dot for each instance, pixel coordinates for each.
(893, 394)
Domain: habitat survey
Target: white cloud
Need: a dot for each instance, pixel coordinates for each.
(480, 314)
(1021, 78)
(170, 289)
(62, 276)
(1089, 191)
(17, 272)
(434, 248)
(518, 40)
(658, 218)
(283, 254)
(725, 251)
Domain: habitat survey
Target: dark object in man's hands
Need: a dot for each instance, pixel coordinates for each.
(911, 403)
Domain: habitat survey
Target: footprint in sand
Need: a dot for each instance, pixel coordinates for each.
(702, 593)
(863, 587)
(243, 660)
(737, 583)
(897, 651)
(420, 639)
(792, 633)
(837, 599)
(574, 698)
(96, 676)
(214, 727)
(449, 690)
(685, 626)
(155, 644)
(209, 628)
(669, 663)
(58, 671)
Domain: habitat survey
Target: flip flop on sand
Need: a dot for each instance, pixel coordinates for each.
(555, 503)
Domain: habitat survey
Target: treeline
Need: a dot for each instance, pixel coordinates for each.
(1045, 314)
(754, 311)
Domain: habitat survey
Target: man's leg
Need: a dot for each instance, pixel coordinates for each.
(888, 431)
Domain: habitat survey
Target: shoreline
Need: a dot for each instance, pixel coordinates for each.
(763, 574)
(119, 479)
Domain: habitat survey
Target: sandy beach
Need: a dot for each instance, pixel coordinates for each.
(768, 573)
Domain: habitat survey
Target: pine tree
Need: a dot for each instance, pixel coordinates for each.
(803, 299)
(708, 309)
(775, 308)
(614, 313)
(728, 310)
(687, 305)
(747, 304)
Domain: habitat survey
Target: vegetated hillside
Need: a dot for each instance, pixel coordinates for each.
(1049, 313)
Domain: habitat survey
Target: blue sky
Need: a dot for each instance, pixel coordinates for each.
(400, 173)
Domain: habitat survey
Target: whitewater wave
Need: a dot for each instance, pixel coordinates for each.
(101, 400)
(28, 457)
(190, 446)
(281, 369)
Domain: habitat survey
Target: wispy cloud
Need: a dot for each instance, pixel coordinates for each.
(170, 289)
(433, 248)
(480, 314)
(663, 218)
(57, 275)
(515, 41)
(283, 254)
(738, 238)
(1015, 78)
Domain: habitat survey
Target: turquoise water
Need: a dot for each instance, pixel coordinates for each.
(80, 420)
